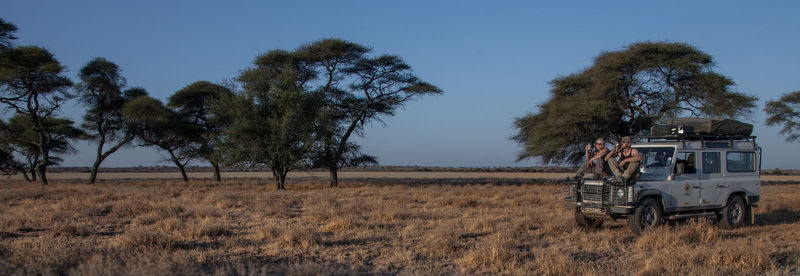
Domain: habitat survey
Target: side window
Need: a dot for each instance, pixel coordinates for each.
(689, 162)
(740, 161)
(711, 163)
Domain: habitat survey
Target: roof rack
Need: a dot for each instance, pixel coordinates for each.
(699, 137)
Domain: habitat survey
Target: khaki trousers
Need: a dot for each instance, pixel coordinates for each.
(626, 172)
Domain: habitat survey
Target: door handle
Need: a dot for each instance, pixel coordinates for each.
(696, 186)
(721, 185)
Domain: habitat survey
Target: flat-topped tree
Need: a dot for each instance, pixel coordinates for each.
(158, 126)
(357, 89)
(20, 134)
(623, 93)
(786, 112)
(193, 104)
(271, 122)
(100, 90)
(33, 85)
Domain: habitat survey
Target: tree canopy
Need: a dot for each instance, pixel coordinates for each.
(156, 125)
(624, 93)
(785, 112)
(7, 31)
(100, 90)
(357, 89)
(193, 104)
(33, 85)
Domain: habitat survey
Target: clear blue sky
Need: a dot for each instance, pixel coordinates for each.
(493, 59)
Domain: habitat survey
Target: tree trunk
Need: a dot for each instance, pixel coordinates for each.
(217, 176)
(280, 178)
(98, 159)
(334, 176)
(95, 168)
(25, 174)
(180, 166)
(42, 173)
(103, 155)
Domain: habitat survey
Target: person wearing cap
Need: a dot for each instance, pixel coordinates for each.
(595, 161)
(628, 163)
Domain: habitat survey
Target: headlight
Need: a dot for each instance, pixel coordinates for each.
(620, 193)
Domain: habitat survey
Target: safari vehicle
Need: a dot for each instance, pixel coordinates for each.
(683, 173)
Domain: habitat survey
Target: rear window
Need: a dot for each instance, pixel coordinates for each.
(740, 161)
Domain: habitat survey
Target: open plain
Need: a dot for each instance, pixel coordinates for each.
(406, 223)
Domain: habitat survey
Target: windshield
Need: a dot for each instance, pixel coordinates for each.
(656, 162)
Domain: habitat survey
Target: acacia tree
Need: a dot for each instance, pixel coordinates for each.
(8, 163)
(271, 123)
(785, 111)
(7, 31)
(158, 126)
(22, 139)
(32, 84)
(356, 89)
(193, 104)
(100, 90)
(623, 93)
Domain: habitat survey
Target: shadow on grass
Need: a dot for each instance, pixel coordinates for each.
(358, 182)
(778, 217)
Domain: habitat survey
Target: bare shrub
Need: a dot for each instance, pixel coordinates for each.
(441, 242)
(493, 254)
(301, 238)
(75, 229)
(146, 238)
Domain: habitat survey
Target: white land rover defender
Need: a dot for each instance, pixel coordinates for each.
(689, 168)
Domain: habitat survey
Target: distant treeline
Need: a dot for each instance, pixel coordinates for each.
(546, 169)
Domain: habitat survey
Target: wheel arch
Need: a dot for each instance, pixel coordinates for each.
(738, 192)
(651, 193)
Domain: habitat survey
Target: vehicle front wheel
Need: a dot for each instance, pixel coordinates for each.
(587, 222)
(733, 215)
(648, 215)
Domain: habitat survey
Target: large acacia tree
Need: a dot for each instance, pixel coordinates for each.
(357, 89)
(786, 112)
(23, 142)
(193, 104)
(33, 85)
(100, 90)
(272, 121)
(624, 93)
(156, 125)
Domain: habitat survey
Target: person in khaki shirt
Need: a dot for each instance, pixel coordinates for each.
(628, 163)
(595, 161)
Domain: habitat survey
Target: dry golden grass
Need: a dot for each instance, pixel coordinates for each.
(245, 227)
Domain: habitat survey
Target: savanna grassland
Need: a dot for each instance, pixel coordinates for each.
(246, 227)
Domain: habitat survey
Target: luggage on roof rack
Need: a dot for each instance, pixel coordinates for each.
(702, 126)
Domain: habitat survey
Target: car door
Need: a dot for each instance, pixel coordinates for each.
(685, 187)
(712, 179)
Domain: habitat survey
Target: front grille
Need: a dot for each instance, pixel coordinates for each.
(593, 194)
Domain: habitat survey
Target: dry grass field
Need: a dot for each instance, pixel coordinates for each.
(246, 227)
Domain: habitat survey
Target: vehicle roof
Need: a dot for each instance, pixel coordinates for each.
(702, 145)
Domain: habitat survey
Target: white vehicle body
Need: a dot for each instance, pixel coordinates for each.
(707, 176)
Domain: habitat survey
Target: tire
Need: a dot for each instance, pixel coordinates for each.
(647, 215)
(734, 214)
(587, 222)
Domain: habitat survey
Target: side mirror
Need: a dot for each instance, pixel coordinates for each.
(680, 168)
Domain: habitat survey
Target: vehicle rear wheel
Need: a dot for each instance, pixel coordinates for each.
(587, 222)
(733, 215)
(648, 215)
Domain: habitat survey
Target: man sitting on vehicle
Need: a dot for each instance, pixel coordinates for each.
(594, 160)
(628, 163)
